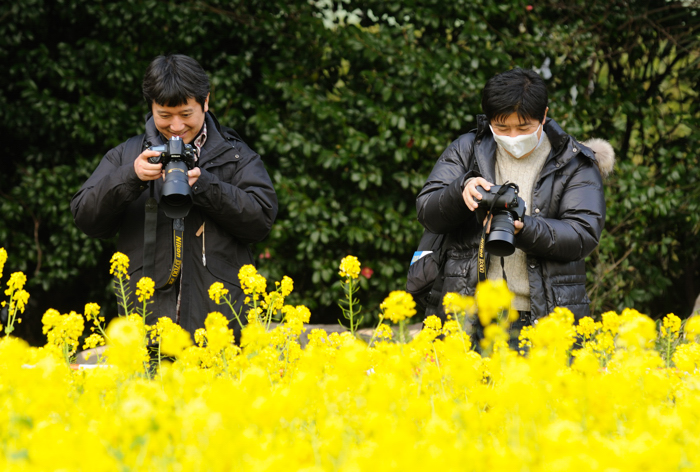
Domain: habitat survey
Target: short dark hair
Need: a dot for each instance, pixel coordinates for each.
(172, 80)
(518, 91)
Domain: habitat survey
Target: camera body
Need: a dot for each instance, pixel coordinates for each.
(177, 158)
(506, 208)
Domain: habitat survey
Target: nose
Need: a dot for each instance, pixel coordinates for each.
(177, 124)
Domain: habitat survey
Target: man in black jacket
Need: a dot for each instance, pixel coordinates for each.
(559, 180)
(233, 201)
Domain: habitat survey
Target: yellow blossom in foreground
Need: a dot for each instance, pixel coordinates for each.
(126, 348)
(251, 281)
(286, 286)
(398, 306)
(611, 322)
(3, 259)
(92, 311)
(145, 288)
(94, 340)
(20, 301)
(173, 340)
(216, 291)
(457, 303)
(16, 282)
(492, 299)
(692, 327)
(218, 333)
(587, 327)
(383, 331)
(120, 265)
(349, 267)
(636, 330)
(62, 331)
(670, 326)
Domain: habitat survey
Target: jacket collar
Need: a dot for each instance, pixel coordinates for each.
(564, 147)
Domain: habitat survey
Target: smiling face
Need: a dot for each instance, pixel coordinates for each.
(184, 121)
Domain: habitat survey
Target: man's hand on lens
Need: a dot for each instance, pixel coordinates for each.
(193, 174)
(470, 192)
(144, 169)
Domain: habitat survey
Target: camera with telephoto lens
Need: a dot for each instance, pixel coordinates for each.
(506, 207)
(177, 158)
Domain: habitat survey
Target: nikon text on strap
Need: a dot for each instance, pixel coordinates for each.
(149, 243)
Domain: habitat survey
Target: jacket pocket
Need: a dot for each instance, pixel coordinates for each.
(460, 276)
(572, 296)
(224, 271)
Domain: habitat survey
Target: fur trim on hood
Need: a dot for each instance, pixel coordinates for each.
(604, 154)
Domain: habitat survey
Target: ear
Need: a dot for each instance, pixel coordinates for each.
(545, 115)
(206, 103)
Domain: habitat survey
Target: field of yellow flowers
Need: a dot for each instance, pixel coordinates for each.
(618, 394)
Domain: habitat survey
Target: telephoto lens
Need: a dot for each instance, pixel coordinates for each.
(176, 198)
(501, 239)
(177, 158)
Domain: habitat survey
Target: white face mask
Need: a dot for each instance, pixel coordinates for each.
(519, 145)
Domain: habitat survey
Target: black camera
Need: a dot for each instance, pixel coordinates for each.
(506, 207)
(177, 158)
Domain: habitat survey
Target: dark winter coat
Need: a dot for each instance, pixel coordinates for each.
(233, 196)
(567, 217)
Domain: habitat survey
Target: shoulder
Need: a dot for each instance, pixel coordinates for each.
(460, 149)
(129, 150)
(238, 147)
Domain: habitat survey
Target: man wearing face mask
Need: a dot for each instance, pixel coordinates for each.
(560, 181)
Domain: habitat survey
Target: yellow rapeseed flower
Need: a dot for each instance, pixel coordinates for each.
(16, 282)
(92, 310)
(692, 327)
(636, 330)
(671, 326)
(172, 338)
(218, 333)
(145, 288)
(398, 306)
(587, 327)
(349, 267)
(457, 303)
(492, 299)
(251, 281)
(286, 286)
(120, 265)
(3, 259)
(20, 301)
(126, 348)
(216, 291)
(93, 341)
(611, 322)
(383, 331)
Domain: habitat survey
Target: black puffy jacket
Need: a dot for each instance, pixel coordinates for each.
(233, 196)
(567, 208)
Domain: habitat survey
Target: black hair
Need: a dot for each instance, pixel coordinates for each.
(173, 79)
(518, 91)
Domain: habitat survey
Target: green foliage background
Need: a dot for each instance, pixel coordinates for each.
(350, 104)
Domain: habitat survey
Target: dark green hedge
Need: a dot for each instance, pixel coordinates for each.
(350, 104)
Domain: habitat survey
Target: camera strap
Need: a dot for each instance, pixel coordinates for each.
(149, 242)
(483, 262)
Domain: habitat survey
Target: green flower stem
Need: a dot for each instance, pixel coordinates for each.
(12, 315)
(230, 305)
(374, 334)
